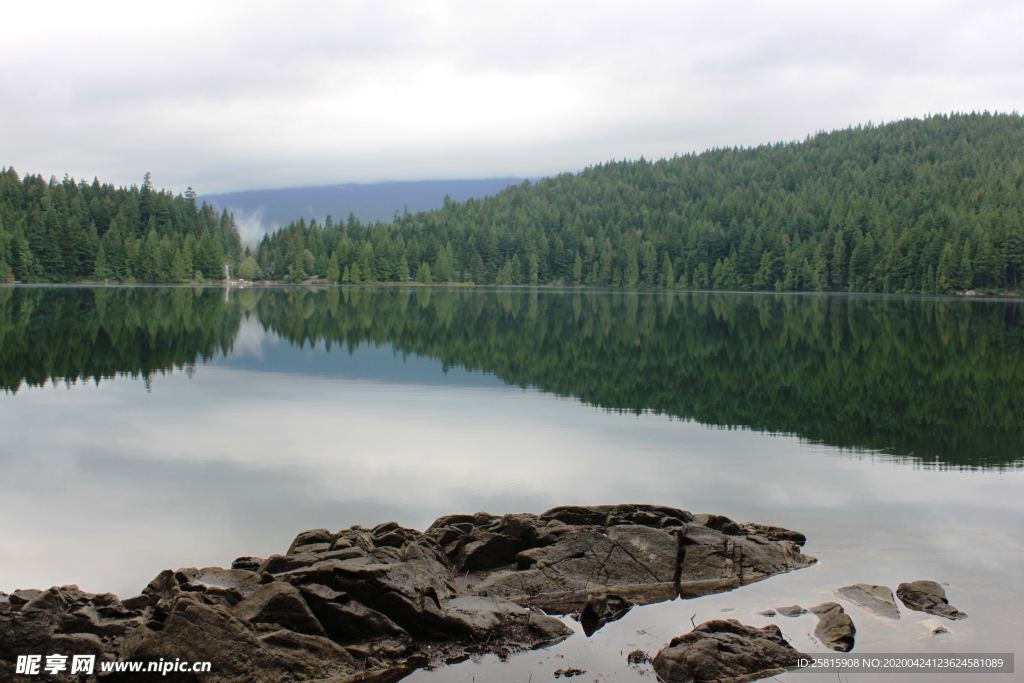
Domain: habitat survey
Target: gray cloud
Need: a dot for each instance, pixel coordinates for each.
(243, 95)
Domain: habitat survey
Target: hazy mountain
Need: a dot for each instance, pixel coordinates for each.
(258, 211)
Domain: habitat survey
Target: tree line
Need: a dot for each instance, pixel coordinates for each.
(63, 230)
(920, 205)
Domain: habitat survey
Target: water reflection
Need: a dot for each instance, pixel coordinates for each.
(935, 380)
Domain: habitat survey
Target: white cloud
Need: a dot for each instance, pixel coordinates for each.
(226, 96)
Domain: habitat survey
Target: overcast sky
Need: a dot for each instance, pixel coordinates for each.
(239, 95)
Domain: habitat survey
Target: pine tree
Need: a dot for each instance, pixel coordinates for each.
(101, 270)
(668, 273)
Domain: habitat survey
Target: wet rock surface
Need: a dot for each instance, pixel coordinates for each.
(928, 596)
(876, 599)
(642, 553)
(725, 650)
(602, 608)
(368, 602)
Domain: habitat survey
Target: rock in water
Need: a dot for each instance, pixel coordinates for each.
(791, 610)
(725, 650)
(381, 601)
(602, 608)
(928, 596)
(835, 627)
(641, 552)
(877, 599)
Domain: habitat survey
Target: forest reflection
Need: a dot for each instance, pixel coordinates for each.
(934, 379)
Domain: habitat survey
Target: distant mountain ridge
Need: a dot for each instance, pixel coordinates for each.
(368, 201)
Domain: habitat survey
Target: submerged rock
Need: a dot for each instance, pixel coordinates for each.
(569, 673)
(835, 628)
(791, 610)
(725, 650)
(381, 601)
(876, 599)
(928, 596)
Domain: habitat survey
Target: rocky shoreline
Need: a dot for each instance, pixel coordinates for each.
(372, 604)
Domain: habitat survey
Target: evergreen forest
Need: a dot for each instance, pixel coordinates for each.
(68, 231)
(919, 205)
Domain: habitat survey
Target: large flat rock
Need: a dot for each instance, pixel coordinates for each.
(645, 553)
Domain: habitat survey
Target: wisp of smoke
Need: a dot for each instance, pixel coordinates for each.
(251, 226)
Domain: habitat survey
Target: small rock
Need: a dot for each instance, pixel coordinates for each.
(835, 628)
(638, 657)
(928, 596)
(791, 610)
(767, 613)
(939, 630)
(601, 608)
(877, 599)
(248, 563)
(569, 673)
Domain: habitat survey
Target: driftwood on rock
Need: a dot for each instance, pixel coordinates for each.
(344, 605)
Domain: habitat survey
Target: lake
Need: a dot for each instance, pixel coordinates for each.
(146, 428)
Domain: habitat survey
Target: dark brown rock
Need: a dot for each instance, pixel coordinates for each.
(282, 604)
(601, 608)
(725, 650)
(928, 596)
(200, 632)
(247, 562)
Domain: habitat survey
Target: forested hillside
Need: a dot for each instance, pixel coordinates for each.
(56, 231)
(921, 205)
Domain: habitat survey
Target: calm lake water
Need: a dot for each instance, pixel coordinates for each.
(147, 428)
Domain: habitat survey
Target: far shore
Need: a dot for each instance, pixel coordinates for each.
(320, 283)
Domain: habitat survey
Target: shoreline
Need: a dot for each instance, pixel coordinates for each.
(1007, 296)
